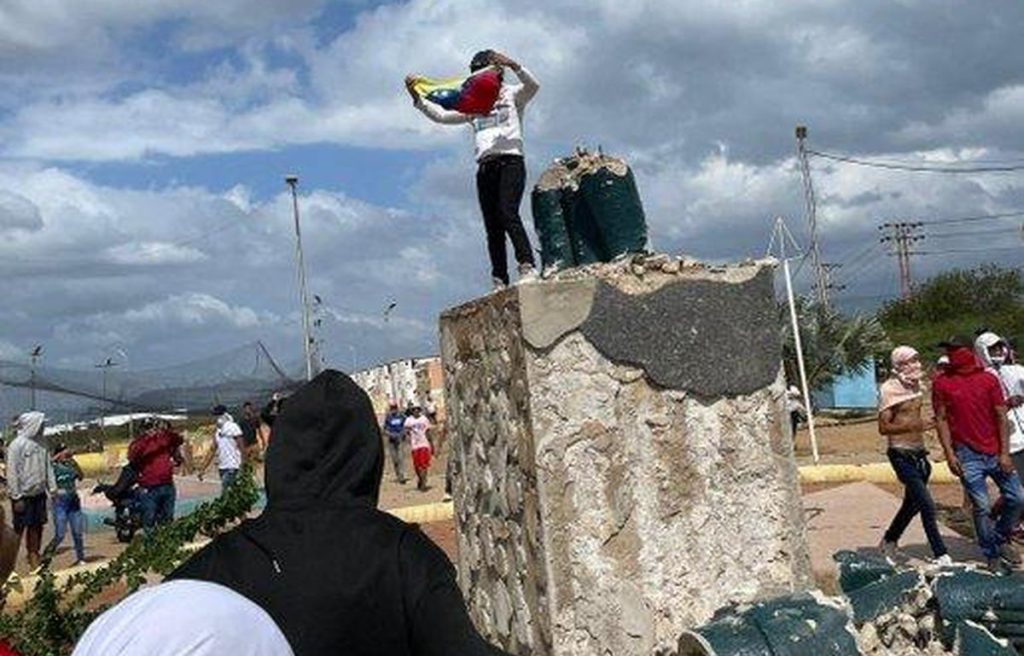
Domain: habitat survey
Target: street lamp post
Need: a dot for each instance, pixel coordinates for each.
(307, 340)
(104, 366)
(37, 352)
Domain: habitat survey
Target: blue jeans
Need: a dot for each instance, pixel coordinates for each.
(976, 468)
(913, 470)
(157, 504)
(227, 478)
(67, 510)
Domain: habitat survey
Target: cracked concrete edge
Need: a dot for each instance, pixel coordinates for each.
(553, 309)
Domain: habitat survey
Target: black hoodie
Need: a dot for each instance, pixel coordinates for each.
(336, 574)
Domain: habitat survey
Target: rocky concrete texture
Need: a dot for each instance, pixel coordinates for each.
(622, 463)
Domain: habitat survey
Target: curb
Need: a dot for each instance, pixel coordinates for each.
(875, 472)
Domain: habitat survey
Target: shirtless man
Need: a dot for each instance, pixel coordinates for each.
(899, 419)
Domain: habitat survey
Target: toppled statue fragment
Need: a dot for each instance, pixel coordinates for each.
(888, 611)
(586, 209)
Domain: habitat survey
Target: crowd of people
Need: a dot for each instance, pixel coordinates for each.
(977, 393)
(321, 570)
(43, 478)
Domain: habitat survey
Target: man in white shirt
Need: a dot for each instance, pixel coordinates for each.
(501, 172)
(417, 428)
(228, 446)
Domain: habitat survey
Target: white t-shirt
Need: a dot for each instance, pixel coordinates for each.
(417, 427)
(228, 455)
(1012, 378)
(501, 131)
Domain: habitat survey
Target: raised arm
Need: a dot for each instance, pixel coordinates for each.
(530, 85)
(434, 112)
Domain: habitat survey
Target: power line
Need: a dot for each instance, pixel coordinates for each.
(971, 219)
(916, 168)
(1019, 249)
(974, 233)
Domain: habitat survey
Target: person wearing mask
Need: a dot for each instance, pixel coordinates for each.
(337, 575)
(795, 408)
(250, 426)
(970, 410)
(994, 353)
(228, 447)
(501, 172)
(421, 444)
(67, 505)
(394, 431)
(30, 479)
(900, 421)
(153, 455)
(267, 416)
(196, 618)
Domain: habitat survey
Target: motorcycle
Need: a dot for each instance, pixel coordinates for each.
(124, 495)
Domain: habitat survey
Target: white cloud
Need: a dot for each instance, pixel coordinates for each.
(153, 253)
(197, 309)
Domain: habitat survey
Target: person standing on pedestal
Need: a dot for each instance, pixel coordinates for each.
(501, 171)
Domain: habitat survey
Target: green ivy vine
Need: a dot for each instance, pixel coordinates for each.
(52, 619)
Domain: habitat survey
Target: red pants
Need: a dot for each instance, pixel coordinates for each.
(421, 458)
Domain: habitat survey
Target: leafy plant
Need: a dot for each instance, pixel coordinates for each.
(833, 343)
(55, 616)
(958, 301)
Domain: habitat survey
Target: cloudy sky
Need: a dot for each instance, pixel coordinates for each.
(143, 147)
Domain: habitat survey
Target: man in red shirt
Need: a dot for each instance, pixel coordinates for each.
(153, 455)
(970, 411)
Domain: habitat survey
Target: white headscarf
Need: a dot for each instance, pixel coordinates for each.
(30, 425)
(184, 617)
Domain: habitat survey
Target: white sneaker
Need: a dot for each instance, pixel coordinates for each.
(889, 550)
(943, 561)
(497, 284)
(527, 273)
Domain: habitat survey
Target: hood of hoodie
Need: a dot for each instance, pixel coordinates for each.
(984, 342)
(30, 426)
(326, 448)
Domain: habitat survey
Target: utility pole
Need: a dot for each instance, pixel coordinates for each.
(821, 275)
(780, 237)
(307, 338)
(902, 235)
(36, 353)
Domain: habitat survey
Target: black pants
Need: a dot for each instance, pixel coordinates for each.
(914, 470)
(500, 182)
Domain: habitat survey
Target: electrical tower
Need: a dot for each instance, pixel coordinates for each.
(902, 235)
(821, 272)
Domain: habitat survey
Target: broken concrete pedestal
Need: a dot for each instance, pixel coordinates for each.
(622, 462)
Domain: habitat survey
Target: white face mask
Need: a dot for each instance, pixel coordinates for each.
(998, 360)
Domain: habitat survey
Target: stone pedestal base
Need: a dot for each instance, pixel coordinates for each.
(622, 459)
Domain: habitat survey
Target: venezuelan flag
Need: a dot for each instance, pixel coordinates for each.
(473, 94)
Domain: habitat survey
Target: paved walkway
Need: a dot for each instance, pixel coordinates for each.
(854, 517)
